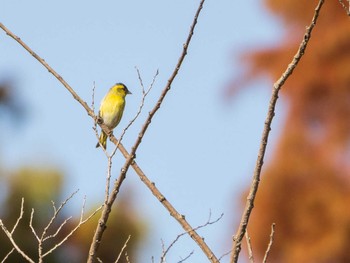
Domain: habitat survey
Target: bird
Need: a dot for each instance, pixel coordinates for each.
(111, 109)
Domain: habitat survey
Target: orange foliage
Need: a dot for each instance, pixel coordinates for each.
(305, 188)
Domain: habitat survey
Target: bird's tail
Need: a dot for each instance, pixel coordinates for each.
(102, 140)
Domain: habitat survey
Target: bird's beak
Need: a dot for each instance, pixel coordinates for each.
(128, 92)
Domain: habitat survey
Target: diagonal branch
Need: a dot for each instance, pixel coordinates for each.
(166, 251)
(130, 161)
(51, 70)
(267, 128)
(9, 234)
(346, 8)
(7, 255)
(130, 157)
(270, 243)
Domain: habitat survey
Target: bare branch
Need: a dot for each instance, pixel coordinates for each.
(249, 245)
(142, 103)
(10, 237)
(51, 70)
(20, 216)
(31, 225)
(346, 8)
(127, 257)
(225, 254)
(118, 183)
(123, 248)
(130, 157)
(270, 243)
(110, 156)
(81, 222)
(130, 160)
(166, 251)
(7, 255)
(236, 247)
(55, 214)
(93, 97)
(188, 256)
(58, 229)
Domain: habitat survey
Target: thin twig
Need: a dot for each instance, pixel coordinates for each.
(20, 216)
(81, 222)
(249, 245)
(123, 248)
(56, 212)
(187, 257)
(110, 156)
(127, 257)
(93, 97)
(51, 70)
(108, 178)
(166, 251)
(7, 255)
(142, 103)
(270, 243)
(10, 237)
(224, 255)
(346, 8)
(236, 247)
(31, 226)
(43, 236)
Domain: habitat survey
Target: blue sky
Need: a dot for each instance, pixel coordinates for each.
(199, 150)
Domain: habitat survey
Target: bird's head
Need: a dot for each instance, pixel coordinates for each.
(121, 89)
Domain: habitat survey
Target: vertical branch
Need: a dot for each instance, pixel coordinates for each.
(267, 128)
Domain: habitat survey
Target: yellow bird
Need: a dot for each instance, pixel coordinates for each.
(111, 109)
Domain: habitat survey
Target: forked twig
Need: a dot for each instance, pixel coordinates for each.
(166, 251)
(10, 236)
(236, 247)
(81, 222)
(43, 237)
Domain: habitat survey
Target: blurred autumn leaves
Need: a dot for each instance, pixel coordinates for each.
(40, 185)
(305, 187)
